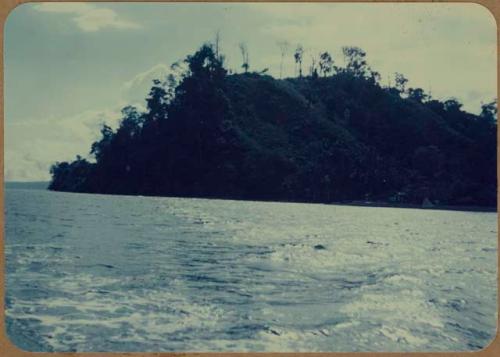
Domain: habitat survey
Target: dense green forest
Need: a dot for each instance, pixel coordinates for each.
(330, 134)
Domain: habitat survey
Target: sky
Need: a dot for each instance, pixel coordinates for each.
(70, 67)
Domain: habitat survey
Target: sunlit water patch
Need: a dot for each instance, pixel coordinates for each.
(111, 273)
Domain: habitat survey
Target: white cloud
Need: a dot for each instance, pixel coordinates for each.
(94, 20)
(88, 17)
(137, 89)
(32, 146)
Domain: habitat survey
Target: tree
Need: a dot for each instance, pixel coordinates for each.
(204, 63)
(157, 101)
(355, 61)
(401, 82)
(217, 44)
(71, 177)
(452, 105)
(99, 147)
(298, 55)
(200, 107)
(179, 70)
(375, 76)
(244, 55)
(417, 94)
(325, 63)
(131, 120)
(313, 70)
(170, 84)
(489, 112)
(283, 46)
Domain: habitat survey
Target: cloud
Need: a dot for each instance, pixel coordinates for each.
(137, 89)
(88, 17)
(32, 146)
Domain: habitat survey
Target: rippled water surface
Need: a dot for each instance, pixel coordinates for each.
(112, 273)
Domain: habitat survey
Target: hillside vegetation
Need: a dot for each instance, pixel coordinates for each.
(334, 134)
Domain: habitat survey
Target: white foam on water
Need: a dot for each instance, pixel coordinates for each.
(401, 278)
(346, 325)
(212, 275)
(404, 307)
(402, 336)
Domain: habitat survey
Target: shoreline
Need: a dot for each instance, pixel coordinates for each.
(354, 203)
(463, 208)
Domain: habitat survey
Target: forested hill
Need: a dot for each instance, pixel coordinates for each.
(334, 134)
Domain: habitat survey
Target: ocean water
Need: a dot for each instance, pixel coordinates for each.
(114, 273)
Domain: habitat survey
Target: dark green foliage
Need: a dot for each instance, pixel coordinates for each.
(356, 62)
(337, 136)
(325, 63)
(417, 94)
(72, 176)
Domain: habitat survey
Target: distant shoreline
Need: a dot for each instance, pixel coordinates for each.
(356, 203)
(30, 185)
(416, 206)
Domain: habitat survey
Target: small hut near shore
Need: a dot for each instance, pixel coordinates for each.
(426, 203)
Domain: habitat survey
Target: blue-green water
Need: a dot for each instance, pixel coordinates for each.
(113, 273)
